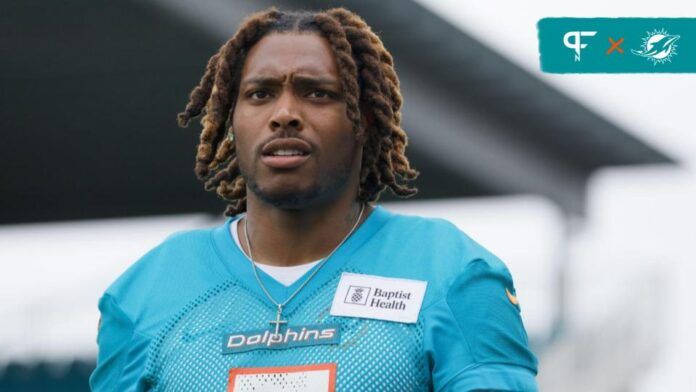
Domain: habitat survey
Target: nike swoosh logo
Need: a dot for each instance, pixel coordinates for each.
(511, 297)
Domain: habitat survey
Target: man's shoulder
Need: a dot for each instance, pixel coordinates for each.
(163, 257)
(425, 230)
(434, 250)
(438, 239)
(164, 278)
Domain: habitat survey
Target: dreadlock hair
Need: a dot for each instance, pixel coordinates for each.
(368, 80)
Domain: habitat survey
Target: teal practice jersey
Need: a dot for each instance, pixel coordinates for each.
(405, 304)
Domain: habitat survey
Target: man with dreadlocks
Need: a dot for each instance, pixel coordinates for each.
(309, 285)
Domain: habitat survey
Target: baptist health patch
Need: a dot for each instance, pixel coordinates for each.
(378, 297)
(292, 336)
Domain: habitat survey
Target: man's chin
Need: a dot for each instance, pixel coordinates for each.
(298, 192)
(287, 198)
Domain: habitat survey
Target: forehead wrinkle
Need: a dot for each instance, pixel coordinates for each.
(280, 55)
(311, 79)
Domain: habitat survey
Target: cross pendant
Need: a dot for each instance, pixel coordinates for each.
(278, 320)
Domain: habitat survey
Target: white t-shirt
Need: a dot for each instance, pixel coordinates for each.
(285, 275)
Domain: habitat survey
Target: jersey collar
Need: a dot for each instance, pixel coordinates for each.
(240, 269)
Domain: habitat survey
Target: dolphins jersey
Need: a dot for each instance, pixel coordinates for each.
(405, 304)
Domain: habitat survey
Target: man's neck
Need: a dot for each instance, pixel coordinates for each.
(293, 237)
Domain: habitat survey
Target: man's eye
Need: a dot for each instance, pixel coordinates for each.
(259, 94)
(319, 94)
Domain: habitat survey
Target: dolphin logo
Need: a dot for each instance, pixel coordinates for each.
(512, 298)
(658, 46)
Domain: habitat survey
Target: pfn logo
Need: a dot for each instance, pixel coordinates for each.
(576, 43)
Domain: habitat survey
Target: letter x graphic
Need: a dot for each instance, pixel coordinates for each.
(615, 45)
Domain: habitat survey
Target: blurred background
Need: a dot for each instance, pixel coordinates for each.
(583, 184)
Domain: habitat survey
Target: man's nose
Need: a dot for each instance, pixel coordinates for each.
(285, 116)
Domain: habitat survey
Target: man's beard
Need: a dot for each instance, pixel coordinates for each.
(319, 192)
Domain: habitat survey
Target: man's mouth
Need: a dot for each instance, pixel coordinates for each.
(285, 153)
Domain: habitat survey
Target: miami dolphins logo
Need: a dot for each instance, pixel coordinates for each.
(658, 47)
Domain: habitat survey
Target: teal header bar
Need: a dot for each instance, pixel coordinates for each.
(617, 45)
